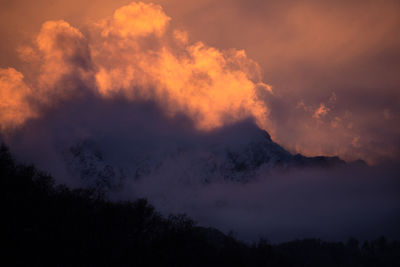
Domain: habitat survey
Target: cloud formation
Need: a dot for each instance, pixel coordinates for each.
(141, 152)
(334, 94)
(14, 105)
(133, 54)
(135, 20)
(65, 61)
(307, 51)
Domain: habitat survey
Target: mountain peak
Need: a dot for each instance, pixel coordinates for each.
(235, 153)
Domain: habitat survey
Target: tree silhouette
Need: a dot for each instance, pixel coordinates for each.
(47, 224)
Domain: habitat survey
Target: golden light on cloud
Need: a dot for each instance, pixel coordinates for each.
(14, 106)
(134, 54)
(321, 111)
(65, 60)
(136, 19)
(150, 52)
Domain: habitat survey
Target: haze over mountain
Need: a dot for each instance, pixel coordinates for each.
(233, 178)
(130, 105)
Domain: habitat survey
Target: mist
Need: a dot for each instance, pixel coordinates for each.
(130, 104)
(332, 205)
(279, 204)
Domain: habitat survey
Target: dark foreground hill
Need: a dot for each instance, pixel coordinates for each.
(44, 224)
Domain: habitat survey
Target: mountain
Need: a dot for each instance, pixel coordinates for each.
(235, 153)
(48, 225)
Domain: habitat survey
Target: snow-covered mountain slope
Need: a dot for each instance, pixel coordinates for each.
(235, 153)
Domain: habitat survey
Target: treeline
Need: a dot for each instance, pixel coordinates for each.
(44, 224)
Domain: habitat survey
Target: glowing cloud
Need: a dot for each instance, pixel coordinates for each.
(14, 106)
(321, 111)
(134, 55)
(136, 19)
(211, 86)
(66, 62)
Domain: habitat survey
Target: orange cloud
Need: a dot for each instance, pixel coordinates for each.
(213, 87)
(134, 54)
(136, 19)
(64, 68)
(321, 111)
(355, 53)
(66, 62)
(14, 106)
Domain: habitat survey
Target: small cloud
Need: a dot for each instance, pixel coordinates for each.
(356, 142)
(14, 93)
(137, 19)
(181, 36)
(321, 111)
(27, 53)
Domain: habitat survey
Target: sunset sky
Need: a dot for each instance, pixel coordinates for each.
(321, 77)
(157, 94)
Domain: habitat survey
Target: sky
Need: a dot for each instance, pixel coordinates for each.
(332, 67)
(322, 78)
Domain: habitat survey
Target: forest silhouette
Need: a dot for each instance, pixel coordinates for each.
(46, 224)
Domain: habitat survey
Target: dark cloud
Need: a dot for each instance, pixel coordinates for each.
(332, 204)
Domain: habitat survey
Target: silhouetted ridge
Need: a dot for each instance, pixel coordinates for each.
(319, 161)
